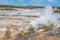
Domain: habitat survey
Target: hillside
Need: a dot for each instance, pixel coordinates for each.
(11, 7)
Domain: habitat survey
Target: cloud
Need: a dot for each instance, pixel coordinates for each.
(21, 0)
(37, 0)
(52, 0)
(3, 2)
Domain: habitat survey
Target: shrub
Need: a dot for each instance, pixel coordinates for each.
(31, 30)
(47, 28)
(57, 11)
(24, 35)
(7, 35)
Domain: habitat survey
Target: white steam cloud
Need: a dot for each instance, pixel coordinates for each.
(47, 15)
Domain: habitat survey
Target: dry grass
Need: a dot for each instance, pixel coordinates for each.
(39, 37)
(44, 37)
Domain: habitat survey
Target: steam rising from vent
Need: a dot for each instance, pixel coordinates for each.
(45, 17)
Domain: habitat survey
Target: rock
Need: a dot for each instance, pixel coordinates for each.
(49, 33)
(55, 32)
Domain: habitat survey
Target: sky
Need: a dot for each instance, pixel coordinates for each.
(30, 2)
